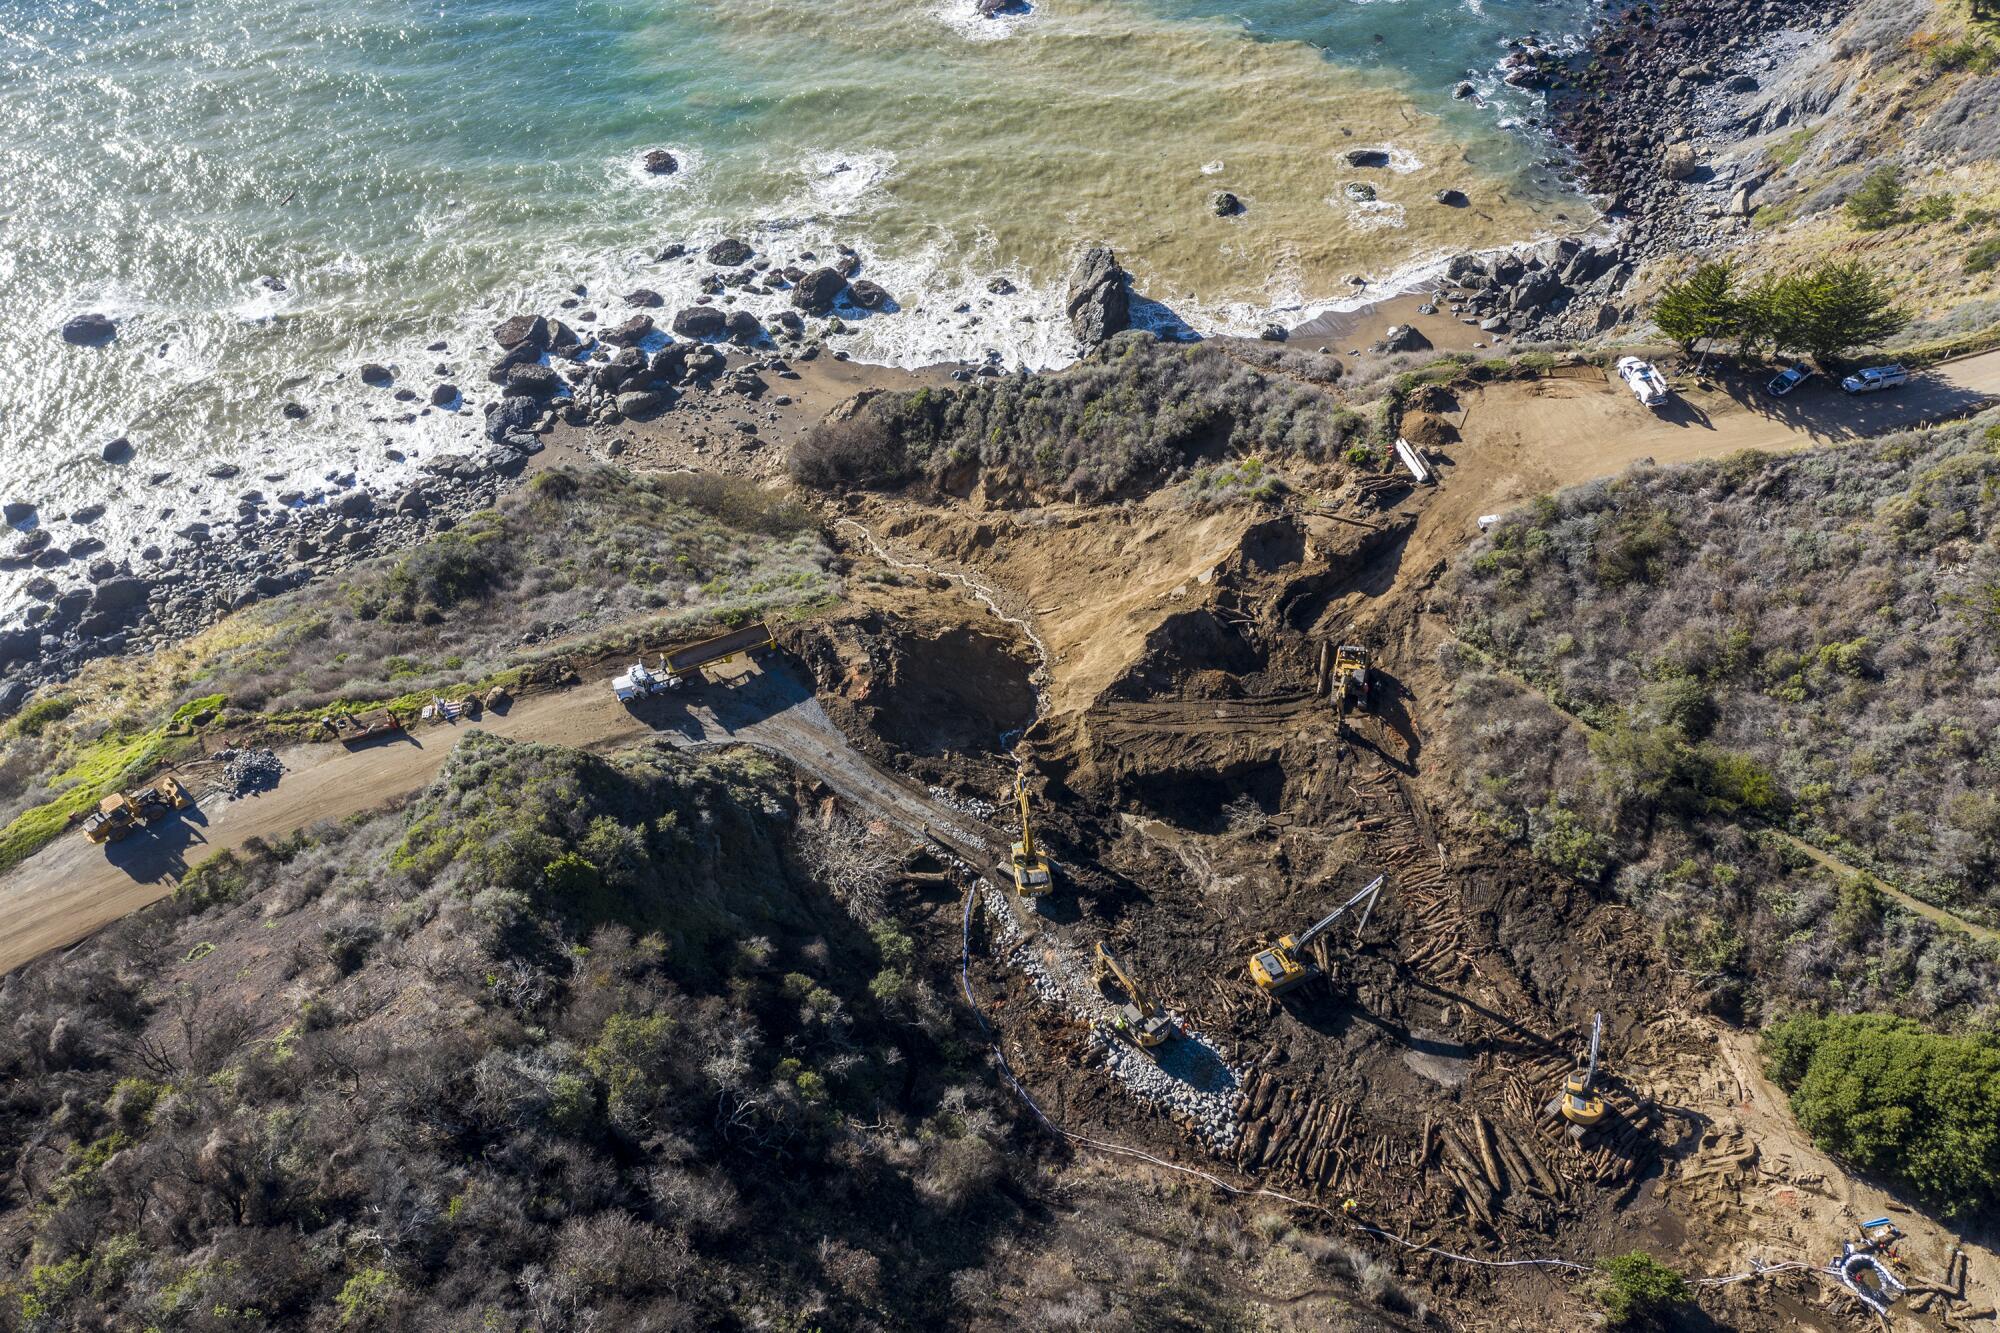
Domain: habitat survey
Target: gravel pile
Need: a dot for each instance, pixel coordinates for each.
(1187, 1078)
(246, 771)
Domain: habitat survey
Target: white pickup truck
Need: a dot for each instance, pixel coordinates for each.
(641, 683)
(1648, 385)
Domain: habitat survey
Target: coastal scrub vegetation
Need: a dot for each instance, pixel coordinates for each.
(1807, 643)
(1125, 418)
(570, 1043)
(1638, 1291)
(574, 553)
(1890, 1097)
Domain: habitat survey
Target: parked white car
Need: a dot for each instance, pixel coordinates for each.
(1875, 379)
(1648, 385)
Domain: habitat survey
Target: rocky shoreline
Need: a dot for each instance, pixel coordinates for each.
(1638, 107)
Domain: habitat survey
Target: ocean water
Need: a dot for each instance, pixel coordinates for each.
(410, 171)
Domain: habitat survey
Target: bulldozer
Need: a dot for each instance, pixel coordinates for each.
(1139, 1020)
(1284, 966)
(1579, 1103)
(1031, 869)
(122, 812)
(1352, 682)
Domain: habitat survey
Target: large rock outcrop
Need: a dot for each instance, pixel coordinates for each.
(1099, 296)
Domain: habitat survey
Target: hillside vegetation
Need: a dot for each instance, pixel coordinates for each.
(579, 552)
(1132, 414)
(1809, 642)
(570, 1043)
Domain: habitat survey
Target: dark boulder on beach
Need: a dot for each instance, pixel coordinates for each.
(533, 379)
(1451, 198)
(377, 374)
(1224, 204)
(671, 251)
(92, 330)
(117, 451)
(700, 321)
(17, 510)
(743, 327)
(1361, 192)
(1000, 285)
(868, 295)
(669, 363)
(729, 252)
(631, 331)
(646, 297)
(1099, 303)
(444, 395)
(818, 290)
(659, 162)
(509, 415)
(1402, 338)
(115, 595)
(1367, 157)
(522, 330)
(293, 411)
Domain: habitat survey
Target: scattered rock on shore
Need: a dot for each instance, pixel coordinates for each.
(1224, 204)
(659, 162)
(1367, 157)
(818, 290)
(522, 330)
(700, 321)
(729, 252)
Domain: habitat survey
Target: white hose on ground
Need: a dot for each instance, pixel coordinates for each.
(1118, 1149)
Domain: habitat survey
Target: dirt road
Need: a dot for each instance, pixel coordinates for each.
(75, 887)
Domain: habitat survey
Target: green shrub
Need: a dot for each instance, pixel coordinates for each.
(37, 716)
(1890, 1096)
(1878, 201)
(1637, 1290)
(1983, 257)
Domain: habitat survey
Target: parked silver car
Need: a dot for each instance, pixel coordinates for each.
(1787, 380)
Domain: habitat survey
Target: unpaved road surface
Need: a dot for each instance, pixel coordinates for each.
(75, 887)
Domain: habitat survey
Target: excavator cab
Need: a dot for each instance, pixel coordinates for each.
(1032, 876)
(1284, 966)
(1138, 1020)
(1279, 968)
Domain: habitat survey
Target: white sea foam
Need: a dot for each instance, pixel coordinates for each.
(964, 18)
(842, 184)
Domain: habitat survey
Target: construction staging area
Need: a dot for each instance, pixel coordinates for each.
(1378, 1008)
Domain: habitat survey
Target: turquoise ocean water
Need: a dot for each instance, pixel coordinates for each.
(411, 171)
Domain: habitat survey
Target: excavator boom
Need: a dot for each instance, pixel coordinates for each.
(1369, 893)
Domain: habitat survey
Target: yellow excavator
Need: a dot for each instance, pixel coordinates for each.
(1579, 1103)
(1031, 868)
(1139, 1020)
(1283, 966)
(1351, 680)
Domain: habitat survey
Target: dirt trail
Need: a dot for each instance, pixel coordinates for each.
(74, 887)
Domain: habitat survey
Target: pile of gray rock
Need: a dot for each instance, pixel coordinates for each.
(1559, 289)
(248, 771)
